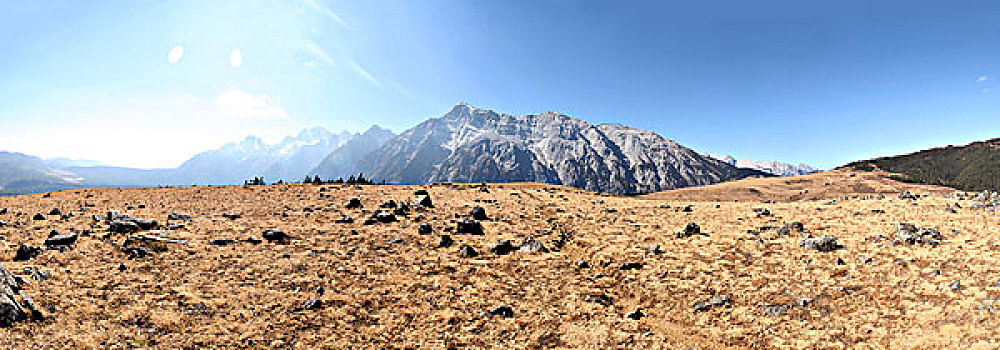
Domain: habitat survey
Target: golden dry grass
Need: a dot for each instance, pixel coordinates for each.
(412, 295)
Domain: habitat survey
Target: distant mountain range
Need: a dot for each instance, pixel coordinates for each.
(467, 144)
(972, 167)
(771, 167)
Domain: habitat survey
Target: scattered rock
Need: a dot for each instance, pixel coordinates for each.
(824, 243)
(60, 240)
(38, 216)
(583, 264)
(712, 301)
(502, 311)
(762, 212)
(910, 234)
(178, 216)
(222, 241)
(36, 274)
(344, 219)
(796, 226)
(775, 310)
(232, 216)
(55, 211)
(152, 238)
(908, 195)
(120, 226)
(136, 252)
(635, 315)
(956, 285)
(531, 244)
(15, 306)
(598, 298)
(424, 201)
(384, 217)
(803, 302)
(396, 240)
(445, 241)
(389, 204)
(425, 229)
(630, 266)
(354, 203)
(654, 249)
(690, 229)
(468, 252)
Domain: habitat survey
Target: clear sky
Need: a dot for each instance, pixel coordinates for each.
(150, 83)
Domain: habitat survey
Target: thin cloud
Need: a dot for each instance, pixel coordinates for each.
(315, 5)
(982, 78)
(365, 74)
(240, 104)
(319, 53)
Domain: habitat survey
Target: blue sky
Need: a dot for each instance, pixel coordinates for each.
(150, 83)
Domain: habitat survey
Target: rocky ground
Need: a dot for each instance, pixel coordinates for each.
(282, 267)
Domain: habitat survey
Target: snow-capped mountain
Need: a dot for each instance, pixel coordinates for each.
(469, 144)
(771, 167)
(289, 160)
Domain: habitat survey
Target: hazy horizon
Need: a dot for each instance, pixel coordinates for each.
(150, 84)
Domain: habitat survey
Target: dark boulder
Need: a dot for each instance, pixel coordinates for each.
(503, 247)
(38, 216)
(55, 211)
(445, 241)
(344, 219)
(424, 201)
(502, 311)
(690, 229)
(61, 240)
(630, 266)
(468, 251)
(354, 203)
(275, 235)
(26, 252)
(121, 226)
(471, 227)
(425, 229)
(479, 213)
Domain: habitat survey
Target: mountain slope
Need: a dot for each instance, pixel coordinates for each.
(20, 173)
(472, 145)
(343, 161)
(972, 167)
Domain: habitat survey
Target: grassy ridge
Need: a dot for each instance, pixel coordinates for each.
(973, 167)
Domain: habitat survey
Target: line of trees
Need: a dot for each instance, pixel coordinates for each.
(359, 180)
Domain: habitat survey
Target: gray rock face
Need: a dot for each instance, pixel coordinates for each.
(824, 243)
(15, 306)
(475, 145)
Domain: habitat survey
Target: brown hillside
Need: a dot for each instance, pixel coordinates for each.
(374, 291)
(824, 185)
